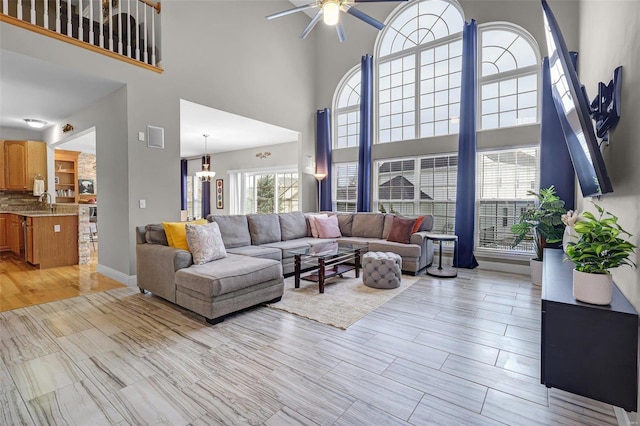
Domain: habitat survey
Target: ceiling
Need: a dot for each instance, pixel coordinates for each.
(31, 88)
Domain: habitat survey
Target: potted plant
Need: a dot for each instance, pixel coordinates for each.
(541, 224)
(599, 248)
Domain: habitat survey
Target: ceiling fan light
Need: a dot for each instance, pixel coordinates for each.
(331, 12)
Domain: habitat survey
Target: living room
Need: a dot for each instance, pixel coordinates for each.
(239, 62)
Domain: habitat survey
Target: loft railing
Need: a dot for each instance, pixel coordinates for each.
(130, 29)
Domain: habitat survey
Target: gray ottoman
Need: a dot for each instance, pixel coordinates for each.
(381, 269)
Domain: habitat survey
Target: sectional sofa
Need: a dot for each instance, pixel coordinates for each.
(258, 257)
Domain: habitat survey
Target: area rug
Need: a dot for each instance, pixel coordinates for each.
(344, 301)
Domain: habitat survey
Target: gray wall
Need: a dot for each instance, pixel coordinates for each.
(617, 44)
(9, 133)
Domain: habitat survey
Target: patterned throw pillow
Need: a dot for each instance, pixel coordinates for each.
(205, 242)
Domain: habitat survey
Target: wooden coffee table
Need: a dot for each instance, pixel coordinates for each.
(325, 261)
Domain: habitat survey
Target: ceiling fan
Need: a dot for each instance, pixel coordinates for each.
(329, 11)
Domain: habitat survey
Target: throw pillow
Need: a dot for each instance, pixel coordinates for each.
(328, 227)
(312, 223)
(205, 242)
(401, 230)
(417, 225)
(176, 233)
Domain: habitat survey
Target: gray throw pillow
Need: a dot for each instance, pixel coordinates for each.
(205, 242)
(292, 225)
(264, 228)
(154, 234)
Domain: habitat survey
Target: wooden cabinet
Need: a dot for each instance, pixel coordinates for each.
(23, 160)
(2, 165)
(28, 244)
(15, 234)
(66, 165)
(589, 350)
(4, 244)
(54, 241)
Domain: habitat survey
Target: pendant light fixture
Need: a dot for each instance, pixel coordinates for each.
(205, 175)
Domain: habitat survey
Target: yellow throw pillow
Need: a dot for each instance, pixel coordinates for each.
(177, 234)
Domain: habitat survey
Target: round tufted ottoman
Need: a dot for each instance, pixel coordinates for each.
(381, 269)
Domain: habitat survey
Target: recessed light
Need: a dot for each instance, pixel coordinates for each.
(36, 124)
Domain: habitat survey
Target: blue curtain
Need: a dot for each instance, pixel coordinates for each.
(206, 191)
(466, 188)
(556, 167)
(323, 157)
(183, 184)
(366, 126)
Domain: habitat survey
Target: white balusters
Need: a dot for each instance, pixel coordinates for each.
(33, 12)
(80, 21)
(5, 7)
(91, 21)
(153, 38)
(110, 26)
(129, 35)
(146, 35)
(137, 31)
(102, 26)
(46, 14)
(58, 16)
(20, 10)
(69, 26)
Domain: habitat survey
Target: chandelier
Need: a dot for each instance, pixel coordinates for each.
(205, 175)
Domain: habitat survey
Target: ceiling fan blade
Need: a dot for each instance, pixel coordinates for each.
(312, 24)
(340, 30)
(365, 18)
(294, 10)
(374, 1)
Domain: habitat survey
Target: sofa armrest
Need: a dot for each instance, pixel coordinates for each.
(426, 247)
(156, 265)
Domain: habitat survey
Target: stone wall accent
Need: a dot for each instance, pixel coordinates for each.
(84, 249)
(87, 168)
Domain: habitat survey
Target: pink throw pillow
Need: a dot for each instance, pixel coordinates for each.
(312, 223)
(328, 227)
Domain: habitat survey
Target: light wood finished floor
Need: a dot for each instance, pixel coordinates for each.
(24, 285)
(462, 351)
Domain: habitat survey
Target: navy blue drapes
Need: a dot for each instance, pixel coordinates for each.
(323, 157)
(556, 167)
(183, 184)
(466, 190)
(366, 130)
(206, 192)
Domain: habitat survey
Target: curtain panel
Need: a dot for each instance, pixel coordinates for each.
(323, 158)
(366, 130)
(466, 188)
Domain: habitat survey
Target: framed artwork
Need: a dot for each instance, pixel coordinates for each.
(85, 186)
(219, 194)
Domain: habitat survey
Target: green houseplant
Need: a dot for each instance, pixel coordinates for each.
(541, 224)
(600, 247)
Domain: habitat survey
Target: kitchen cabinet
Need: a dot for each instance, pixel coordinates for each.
(66, 163)
(23, 160)
(4, 244)
(28, 244)
(15, 234)
(52, 240)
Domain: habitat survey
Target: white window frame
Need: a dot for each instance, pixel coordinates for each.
(334, 186)
(242, 186)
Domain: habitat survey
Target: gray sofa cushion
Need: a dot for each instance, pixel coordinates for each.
(226, 275)
(345, 221)
(292, 225)
(233, 228)
(264, 228)
(154, 234)
(258, 251)
(404, 250)
(368, 225)
(388, 221)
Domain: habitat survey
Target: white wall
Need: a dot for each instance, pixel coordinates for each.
(616, 43)
(9, 133)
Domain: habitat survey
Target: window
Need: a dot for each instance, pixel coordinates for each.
(419, 72)
(271, 192)
(194, 197)
(396, 186)
(438, 178)
(503, 180)
(347, 110)
(346, 183)
(509, 77)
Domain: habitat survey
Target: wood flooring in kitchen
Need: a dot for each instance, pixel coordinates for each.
(461, 351)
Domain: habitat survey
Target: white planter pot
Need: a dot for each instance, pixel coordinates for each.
(536, 271)
(596, 289)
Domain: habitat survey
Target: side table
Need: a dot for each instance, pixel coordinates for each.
(444, 271)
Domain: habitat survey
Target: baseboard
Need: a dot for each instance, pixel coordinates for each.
(504, 267)
(625, 418)
(129, 280)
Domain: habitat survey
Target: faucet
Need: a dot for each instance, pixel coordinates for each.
(47, 200)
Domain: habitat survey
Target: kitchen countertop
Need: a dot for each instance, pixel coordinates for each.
(37, 213)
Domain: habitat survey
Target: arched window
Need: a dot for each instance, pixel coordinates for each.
(508, 76)
(347, 110)
(419, 71)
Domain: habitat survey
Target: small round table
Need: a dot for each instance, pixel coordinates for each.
(444, 271)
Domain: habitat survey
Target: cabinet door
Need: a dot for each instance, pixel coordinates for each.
(4, 244)
(14, 235)
(29, 245)
(2, 165)
(15, 157)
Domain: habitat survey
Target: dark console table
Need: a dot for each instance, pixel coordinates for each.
(587, 349)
